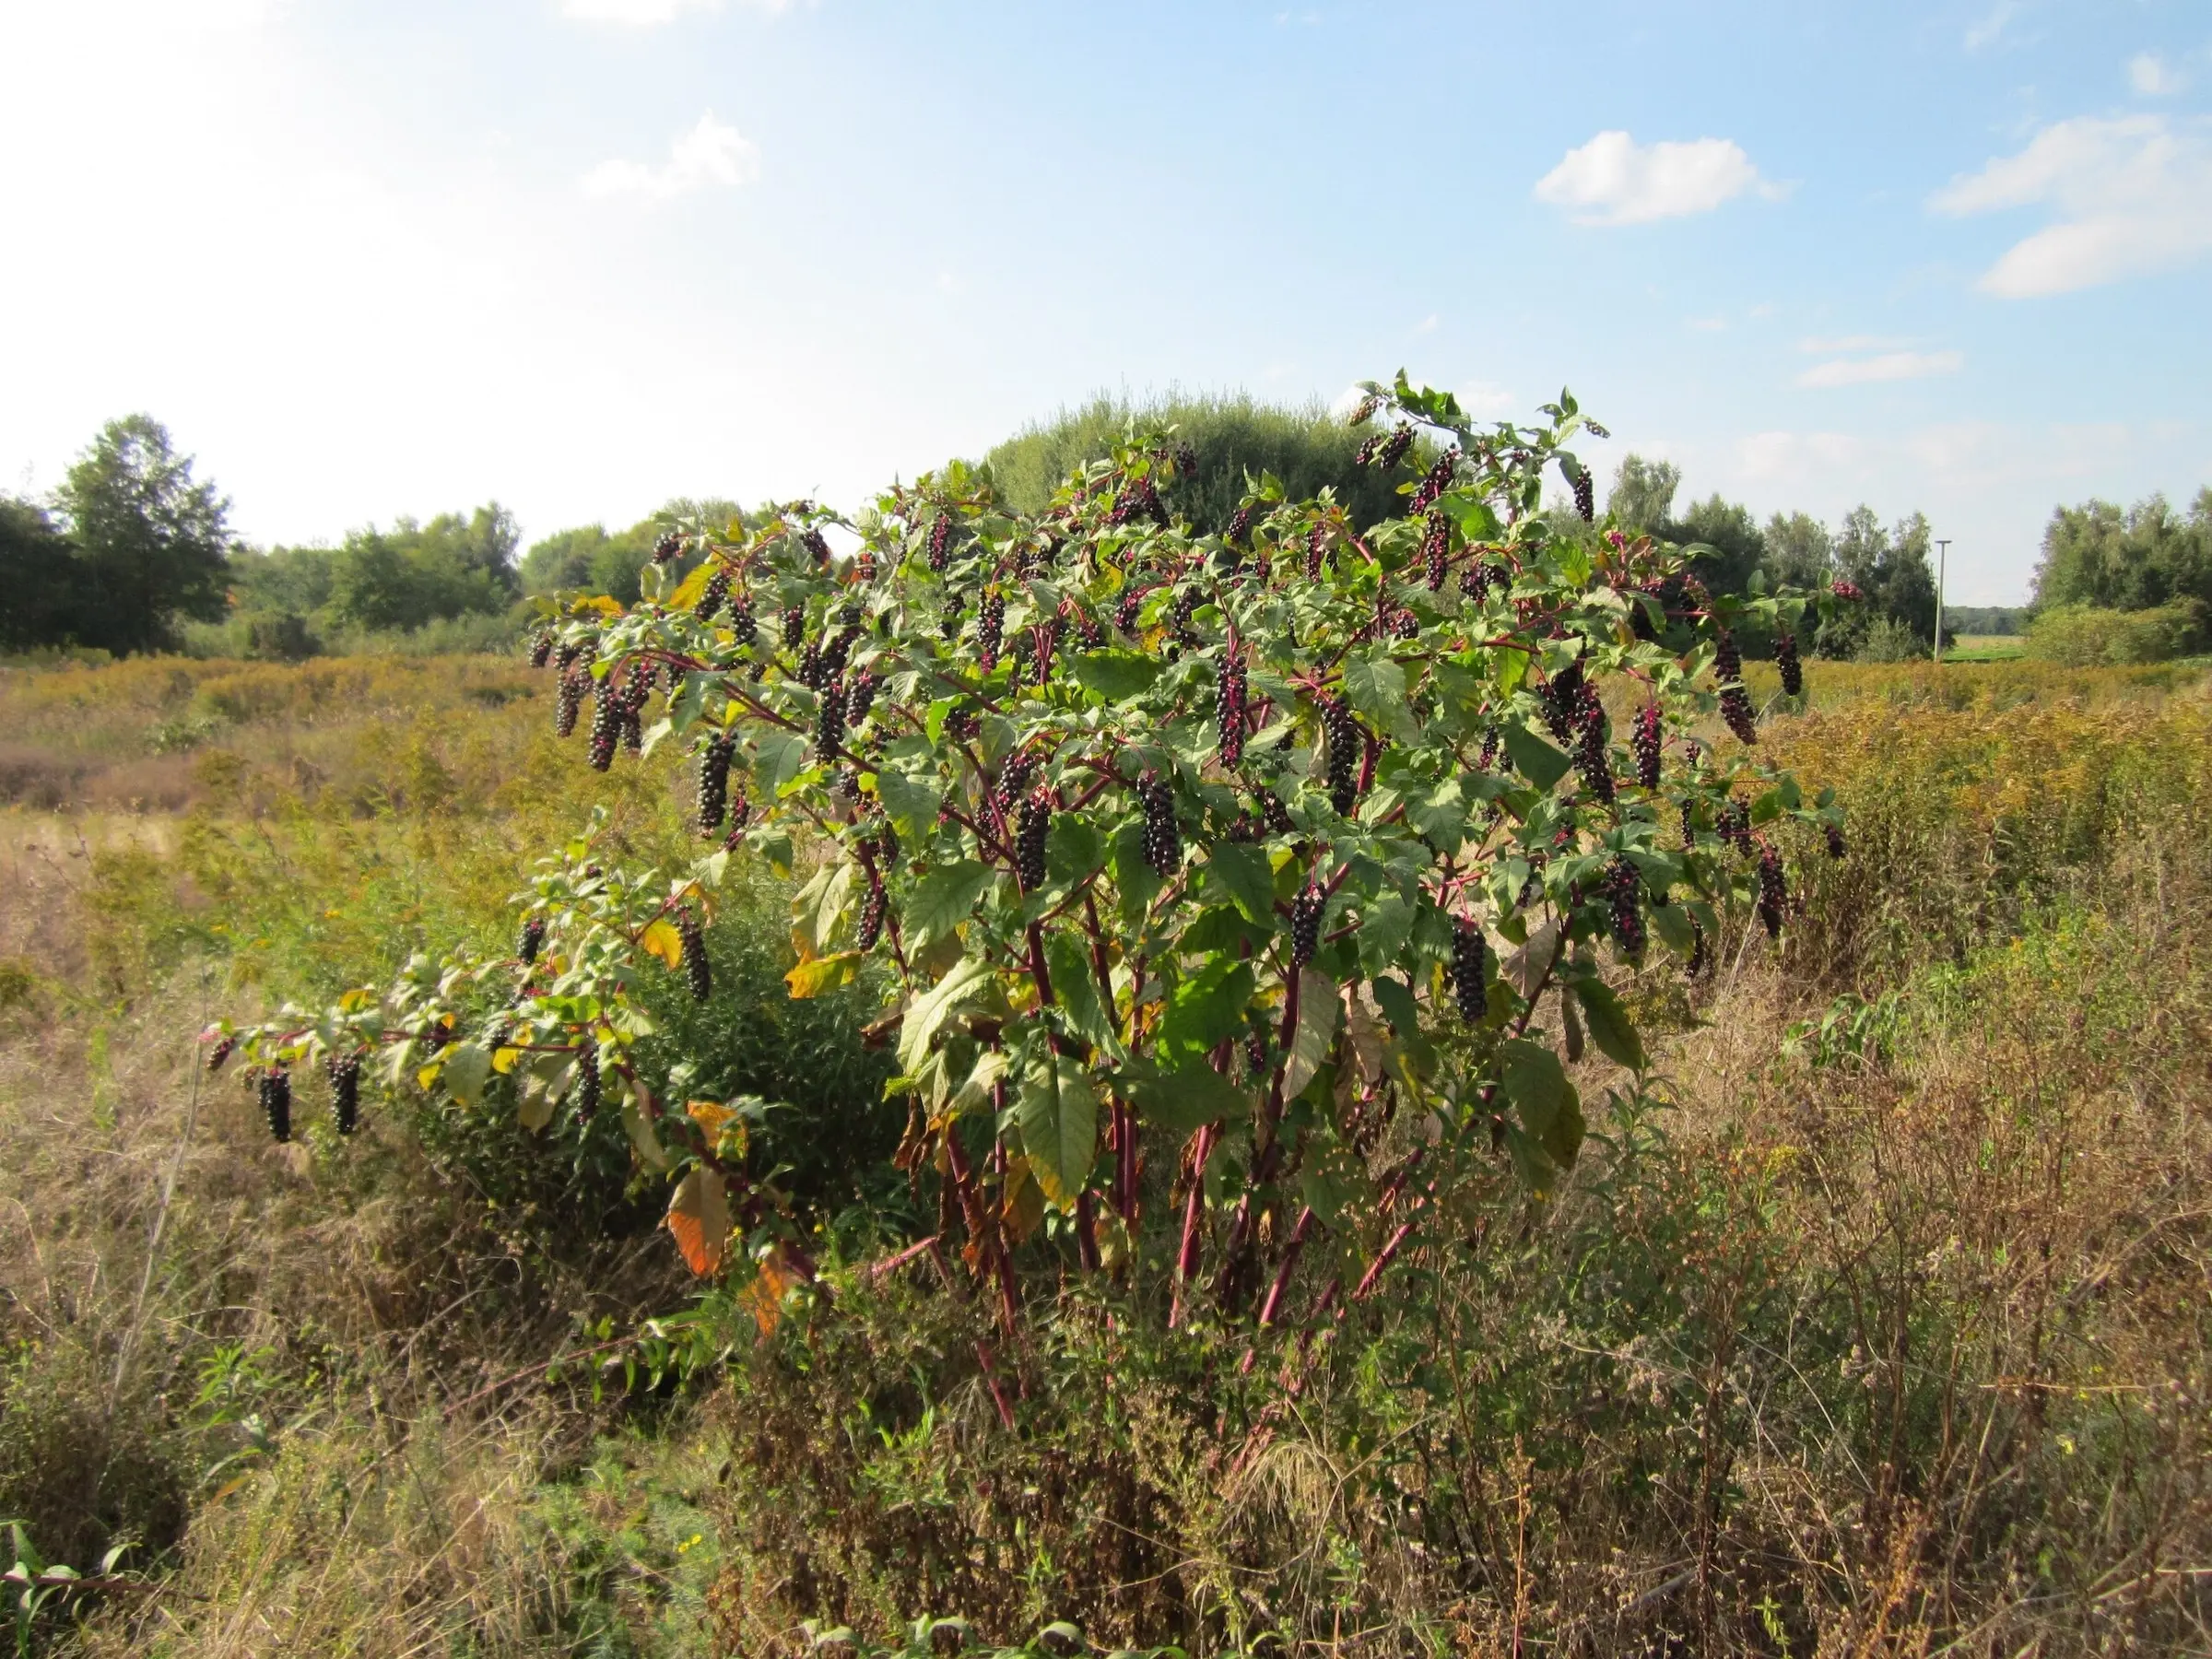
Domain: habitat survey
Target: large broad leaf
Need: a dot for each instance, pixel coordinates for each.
(1059, 1118)
(465, 1069)
(1183, 1099)
(1671, 923)
(910, 803)
(1206, 1008)
(1114, 674)
(1317, 1011)
(1533, 757)
(698, 1214)
(822, 974)
(1439, 813)
(1609, 1025)
(1243, 873)
(1376, 687)
(779, 757)
(967, 981)
(1132, 875)
(1076, 984)
(943, 899)
(1549, 1108)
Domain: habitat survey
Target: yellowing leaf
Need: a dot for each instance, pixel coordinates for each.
(662, 941)
(698, 1214)
(764, 1296)
(710, 1115)
(505, 1060)
(823, 973)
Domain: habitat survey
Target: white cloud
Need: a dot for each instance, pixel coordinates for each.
(2133, 196)
(711, 153)
(649, 14)
(1992, 25)
(1613, 180)
(1887, 366)
(1818, 345)
(2153, 76)
(1486, 398)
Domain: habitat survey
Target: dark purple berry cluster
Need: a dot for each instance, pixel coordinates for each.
(990, 630)
(344, 1074)
(817, 546)
(1229, 708)
(1385, 450)
(872, 911)
(861, 697)
(273, 1085)
(541, 648)
(697, 973)
(568, 701)
(667, 550)
(1470, 951)
(1735, 825)
(711, 598)
(1647, 742)
(1792, 665)
(1238, 529)
(1305, 924)
(1035, 822)
(1348, 746)
(1835, 841)
(606, 723)
(940, 540)
(1435, 481)
(1163, 837)
(1139, 500)
(1586, 494)
(221, 1052)
(1126, 612)
(1013, 783)
(1771, 894)
(713, 801)
(587, 1081)
(1592, 754)
(1624, 896)
(1436, 548)
(532, 939)
(829, 721)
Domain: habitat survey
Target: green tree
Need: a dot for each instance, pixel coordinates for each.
(2097, 555)
(152, 540)
(37, 572)
(1725, 542)
(1890, 567)
(1800, 552)
(587, 557)
(1642, 497)
(1231, 437)
(415, 572)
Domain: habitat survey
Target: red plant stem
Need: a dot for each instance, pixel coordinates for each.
(1187, 1254)
(1124, 1163)
(1038, 971)
(998, 1397)
(1273, 1305)
(911, 1252)
(1087, 1230)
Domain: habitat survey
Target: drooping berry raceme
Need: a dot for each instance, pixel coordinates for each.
(1180, 614)
(1475, 580)
(817, 546)
(698, 974)
(1647, 741)
(1163, 836)
(1126, 612)
(1229, 709)
(1701, 959)
(861, 697)
(1845, 590)
(344, 1073)
(1792, 667)
(1305, 924)
(274, 1087)
(1835, 841)
(1563, 701)
(664, 551)
(1035, 822)
(1364, 411)
(1436, 548)
(829, 721)
(711, 598)
(1348, 746)
(940, 540)
(1013, 783)
(741, 813)
(794, 627)
(1317, 546)
(1586, 494)
(1274, 815)
(714, 782)
(990, 630)
(1238, 529)
(220, 1051)
(532, 939)
(745, 622)
(1592, 755)
(541, 648)
(1770, 893)
(635, 690)
(1727, 661)
(872, 910)
(1469, 954)
(606, 723)
(1435, 481)
(1393, 448)
(1735, 825)
(1624, 895)
(587, 1081)
(567, 701)
(1735, 702)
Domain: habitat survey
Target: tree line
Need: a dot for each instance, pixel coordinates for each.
(133, 552)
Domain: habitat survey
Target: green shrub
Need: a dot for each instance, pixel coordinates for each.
(2082, 636)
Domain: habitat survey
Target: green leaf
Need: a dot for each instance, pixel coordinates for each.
(943, 899)
(1671, 923)
(1395, 999)
(1244, 875)
(1135, 879)
(1183, 1099)
(1609, 1025)
(1073, 847)
(1439, 814)
(1533, 757)
(928, 1011)
(778, 757)
(1114, 674)
(1317, 1012)
(1077, 987)
(1549, 1108)
(465, 1069)
(1376, 687)
(912, 804)
(1059, 1117)
(1206, 1008)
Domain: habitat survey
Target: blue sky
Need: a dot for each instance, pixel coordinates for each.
(369, 259)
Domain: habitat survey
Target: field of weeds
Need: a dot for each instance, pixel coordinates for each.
(1892, 1334)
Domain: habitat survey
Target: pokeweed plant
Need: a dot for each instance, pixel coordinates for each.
(1248, 843)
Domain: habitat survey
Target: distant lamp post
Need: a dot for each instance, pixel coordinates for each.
(1943, 553)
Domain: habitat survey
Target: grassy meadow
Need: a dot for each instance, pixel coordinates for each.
(1892, 1334)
